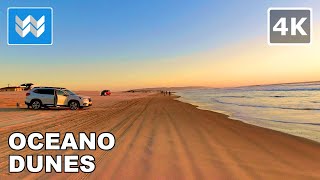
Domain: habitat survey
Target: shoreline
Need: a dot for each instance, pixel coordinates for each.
(229, 117)
(160, 137)
(254, 121)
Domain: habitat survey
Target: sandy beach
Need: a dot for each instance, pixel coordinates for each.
(158, 137)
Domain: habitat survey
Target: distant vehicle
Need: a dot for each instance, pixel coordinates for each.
(105, 93)
(55, 97)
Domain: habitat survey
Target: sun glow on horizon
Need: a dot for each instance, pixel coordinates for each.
(247, 63)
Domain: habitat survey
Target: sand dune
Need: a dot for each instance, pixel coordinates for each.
(161, 138)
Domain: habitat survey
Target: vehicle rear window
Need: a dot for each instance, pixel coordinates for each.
(44, 91)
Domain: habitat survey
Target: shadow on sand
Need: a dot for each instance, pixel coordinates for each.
(15, 109)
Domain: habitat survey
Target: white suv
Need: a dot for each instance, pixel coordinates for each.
(55, 97)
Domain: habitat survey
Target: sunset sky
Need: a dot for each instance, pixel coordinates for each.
(126, 44)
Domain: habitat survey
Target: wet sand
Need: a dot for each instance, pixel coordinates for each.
(158, 137)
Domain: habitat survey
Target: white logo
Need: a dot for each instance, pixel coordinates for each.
(37, 28)
(281, 26)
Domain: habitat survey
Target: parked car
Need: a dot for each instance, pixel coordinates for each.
(105, 93)
(39, 97)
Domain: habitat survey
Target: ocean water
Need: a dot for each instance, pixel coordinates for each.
(289, 108)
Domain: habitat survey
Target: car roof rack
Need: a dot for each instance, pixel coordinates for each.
(50, 87)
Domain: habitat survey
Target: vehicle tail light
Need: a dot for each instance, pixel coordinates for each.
(28, 94)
